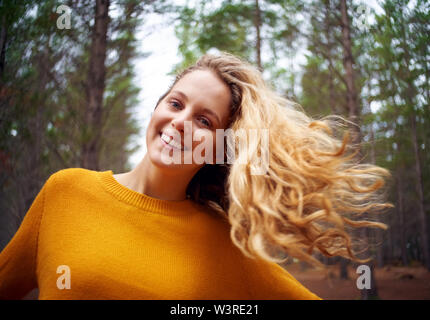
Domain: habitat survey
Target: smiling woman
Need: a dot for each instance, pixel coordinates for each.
(192, 230)
(199, 98)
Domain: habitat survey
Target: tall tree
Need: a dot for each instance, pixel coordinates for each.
(348, 62)
(258, 36)
(410, 98)
(43, 100)
(323, 78)
(397, 58)
(96, 86)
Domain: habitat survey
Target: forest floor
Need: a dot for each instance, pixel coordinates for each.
(393, 283)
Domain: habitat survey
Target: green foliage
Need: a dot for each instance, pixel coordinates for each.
(231, 26)
(43, 93)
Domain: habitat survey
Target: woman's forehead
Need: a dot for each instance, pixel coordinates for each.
(204, 88)
(203, 80)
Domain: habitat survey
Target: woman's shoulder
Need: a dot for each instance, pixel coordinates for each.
(71, 176)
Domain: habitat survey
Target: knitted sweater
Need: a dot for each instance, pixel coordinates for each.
(86, 236)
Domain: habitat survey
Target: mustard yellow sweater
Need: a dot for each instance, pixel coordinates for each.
(86, 236)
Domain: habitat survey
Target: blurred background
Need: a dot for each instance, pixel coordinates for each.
(79, 80)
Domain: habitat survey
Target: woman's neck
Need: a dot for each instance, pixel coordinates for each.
(156, 182)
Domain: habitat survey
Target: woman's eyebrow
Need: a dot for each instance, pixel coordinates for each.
(213, 114)
(184, 96)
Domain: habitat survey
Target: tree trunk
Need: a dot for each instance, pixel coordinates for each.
(3, 37)
(352, 104)
(348, 61)
(343, 266)
(372, 293)
(331, 74)
(96, 86)
(376, 232)
(257, 23)
(351, 95)
(402, 225)
(426, 74)
(399, 207)
(419, 187)
(354, 116)
(390, 241)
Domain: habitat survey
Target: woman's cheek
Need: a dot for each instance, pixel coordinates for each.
(203, 143)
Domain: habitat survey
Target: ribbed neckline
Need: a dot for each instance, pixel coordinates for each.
(142, 201)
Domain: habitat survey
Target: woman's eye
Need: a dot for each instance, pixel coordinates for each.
(205, 122)
(175, 104)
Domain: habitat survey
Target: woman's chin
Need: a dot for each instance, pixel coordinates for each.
(163, 160)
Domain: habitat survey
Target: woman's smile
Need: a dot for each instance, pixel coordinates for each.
(170, 142)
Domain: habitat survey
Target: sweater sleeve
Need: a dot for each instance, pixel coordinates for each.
(18, 258)
(269, 281)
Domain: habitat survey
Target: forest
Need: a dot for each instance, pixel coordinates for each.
(68, 92)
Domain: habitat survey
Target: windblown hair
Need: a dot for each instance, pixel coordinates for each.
(314, 188)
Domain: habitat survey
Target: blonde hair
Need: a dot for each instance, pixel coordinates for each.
(314, 186)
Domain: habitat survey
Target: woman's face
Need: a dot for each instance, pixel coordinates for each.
(200, 102)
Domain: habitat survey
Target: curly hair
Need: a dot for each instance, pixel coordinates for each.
(314, 187)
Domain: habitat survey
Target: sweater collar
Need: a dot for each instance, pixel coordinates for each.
(142, 201)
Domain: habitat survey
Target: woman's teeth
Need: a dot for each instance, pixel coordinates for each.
(169, 140)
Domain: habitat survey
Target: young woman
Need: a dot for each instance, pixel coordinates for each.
(209, 229)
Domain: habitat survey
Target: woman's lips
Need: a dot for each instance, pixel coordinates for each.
(169, 145)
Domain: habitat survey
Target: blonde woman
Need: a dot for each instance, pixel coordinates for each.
(198, 229)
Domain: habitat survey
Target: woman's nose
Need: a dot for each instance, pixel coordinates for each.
(180, 121)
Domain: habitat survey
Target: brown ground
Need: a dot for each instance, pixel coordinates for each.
(393, 283)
